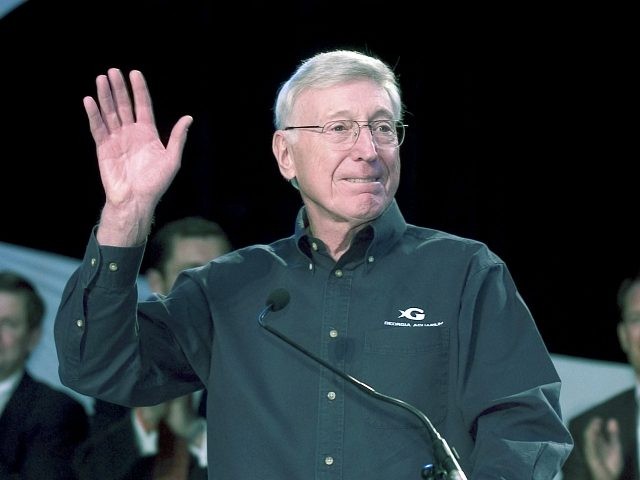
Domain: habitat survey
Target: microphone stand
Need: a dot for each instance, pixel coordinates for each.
(447, 466)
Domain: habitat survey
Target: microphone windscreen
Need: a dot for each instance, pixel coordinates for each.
(278, 299)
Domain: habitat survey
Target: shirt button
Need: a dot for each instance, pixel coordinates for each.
(311, 266)
(333, 333)
(338, 273)
(314, 246)
(94, 261)
(370, 259)
(328, 460)
(113, 266)
(80, 323)
(331, 395)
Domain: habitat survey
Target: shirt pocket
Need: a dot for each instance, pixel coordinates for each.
(409, 364)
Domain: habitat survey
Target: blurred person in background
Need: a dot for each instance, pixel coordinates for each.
(40, 427)
(606, 435)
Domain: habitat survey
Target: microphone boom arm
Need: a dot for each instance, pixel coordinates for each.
(449, 465)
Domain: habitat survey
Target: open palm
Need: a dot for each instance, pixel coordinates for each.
(135, 167)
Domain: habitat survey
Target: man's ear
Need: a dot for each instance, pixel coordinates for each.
(282, 151)
(155, 280)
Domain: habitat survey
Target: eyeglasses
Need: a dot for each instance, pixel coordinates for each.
(345, 133)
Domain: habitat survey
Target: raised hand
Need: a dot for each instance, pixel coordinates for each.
(603, 449)
(136, 168)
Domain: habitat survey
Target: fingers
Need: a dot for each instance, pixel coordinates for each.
(181, 415)
(154, 414)
(593, 428)
(593, 440)
(596, 430)
(612, 426)
(115, 107)
(141, 97)
(613, 431)
(106, 101)
(96, 125)
(121, 96)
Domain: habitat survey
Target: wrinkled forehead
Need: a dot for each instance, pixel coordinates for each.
(354, 100)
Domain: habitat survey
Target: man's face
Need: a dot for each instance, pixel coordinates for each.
(16, 340)
(188, 252)
(629, 328)
(352, 185)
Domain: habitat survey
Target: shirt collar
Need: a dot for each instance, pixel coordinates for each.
(384, 230)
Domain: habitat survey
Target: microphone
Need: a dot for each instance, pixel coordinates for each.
(447, 466)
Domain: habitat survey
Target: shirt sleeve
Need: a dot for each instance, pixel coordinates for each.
(109, 348)
(508, 386)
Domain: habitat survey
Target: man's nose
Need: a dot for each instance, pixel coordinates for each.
(365, 141)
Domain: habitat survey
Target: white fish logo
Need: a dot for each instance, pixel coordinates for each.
(412, 313)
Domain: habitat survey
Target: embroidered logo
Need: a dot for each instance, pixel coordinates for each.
(412, 313)
(415, 317)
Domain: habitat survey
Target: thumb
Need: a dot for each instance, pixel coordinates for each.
(178, 136)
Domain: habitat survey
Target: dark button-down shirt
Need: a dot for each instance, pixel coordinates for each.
(417, 314)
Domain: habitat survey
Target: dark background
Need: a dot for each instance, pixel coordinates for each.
(520, 129)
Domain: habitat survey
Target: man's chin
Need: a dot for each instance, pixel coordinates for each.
(367, 209)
